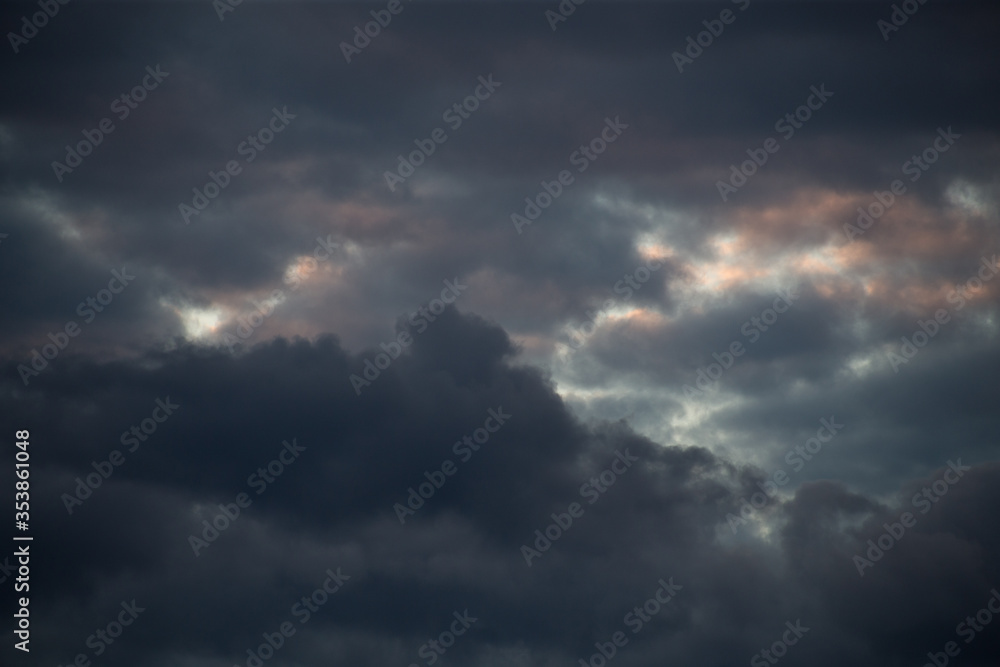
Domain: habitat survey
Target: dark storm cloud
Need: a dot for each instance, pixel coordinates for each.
(333, 507)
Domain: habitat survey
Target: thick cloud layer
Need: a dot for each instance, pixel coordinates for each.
(672, 512)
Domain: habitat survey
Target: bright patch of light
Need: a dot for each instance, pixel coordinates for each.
(967, 196)
(300, 269)
(863, 364)
(198, 322)
(331, 263)
(653, 246)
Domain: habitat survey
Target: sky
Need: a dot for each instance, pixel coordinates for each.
(538, 334)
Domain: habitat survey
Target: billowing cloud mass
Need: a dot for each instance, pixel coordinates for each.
(536, 334)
